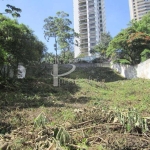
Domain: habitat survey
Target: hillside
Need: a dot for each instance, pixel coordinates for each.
(93, 109)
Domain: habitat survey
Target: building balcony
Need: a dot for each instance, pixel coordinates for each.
(82, 17)
(92, 33)
(91, 6)
(82, 5)
(142, 12)
(83, 36)
(82, 10)
(92, 20)
(84, 51)
(82, 14)
(93, 36)
(142, 4)
(83, 27)
(82, 23)
(91, 10)
(84, 46)
(91, 16)
(142, 9)
(81, 1)
(90, 3)
(84, 40)
(83, 32)
(82, 20)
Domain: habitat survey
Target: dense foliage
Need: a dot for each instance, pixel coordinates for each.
(132, 45)
(18, 44)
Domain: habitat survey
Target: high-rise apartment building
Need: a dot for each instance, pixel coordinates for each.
(138, 8)
(89, 22)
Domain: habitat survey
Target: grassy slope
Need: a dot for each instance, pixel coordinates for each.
(109, 89)
(93, 86)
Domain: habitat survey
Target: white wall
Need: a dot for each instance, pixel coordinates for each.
(144, 69)
(141, 70)
(76, 26)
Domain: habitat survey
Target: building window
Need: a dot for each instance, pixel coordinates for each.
(91, 15)
(92, 29)
(93, 19)
(93, 24)
(92, 39)
(92, 44)
(91, 6)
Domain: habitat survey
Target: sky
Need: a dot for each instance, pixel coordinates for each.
(35, 11)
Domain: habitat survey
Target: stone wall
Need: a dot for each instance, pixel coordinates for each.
(141, 70)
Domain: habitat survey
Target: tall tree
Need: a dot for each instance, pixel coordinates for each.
(59, 28)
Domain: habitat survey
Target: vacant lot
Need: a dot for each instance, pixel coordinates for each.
(93, 109)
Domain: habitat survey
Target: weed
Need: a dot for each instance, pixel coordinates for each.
(40, 120)
(61, 135)
(132, 120)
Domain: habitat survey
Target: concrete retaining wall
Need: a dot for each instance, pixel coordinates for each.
(141, 70)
